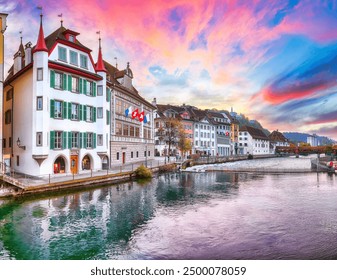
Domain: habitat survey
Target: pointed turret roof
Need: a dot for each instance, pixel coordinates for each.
(41, 43)
(99, 67)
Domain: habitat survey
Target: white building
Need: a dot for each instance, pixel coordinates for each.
(277, 139)
(253, 141)
(223, 131)
(313, 140)
(56, 109)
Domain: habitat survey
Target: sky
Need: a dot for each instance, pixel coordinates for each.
(274, 61)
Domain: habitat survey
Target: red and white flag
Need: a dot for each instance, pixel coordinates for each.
(135, 114)
(141, 116)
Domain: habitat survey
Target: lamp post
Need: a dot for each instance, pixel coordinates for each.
(145, 152)
(3, 27)
(18, 142)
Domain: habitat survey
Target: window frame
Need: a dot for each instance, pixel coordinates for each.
(71, 52)
(39, 74)
(38, 98)
(39, 143)
(59, 53)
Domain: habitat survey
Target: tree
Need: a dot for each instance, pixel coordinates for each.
(184, 144)
(172, 128)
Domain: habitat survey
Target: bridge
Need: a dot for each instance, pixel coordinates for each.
(307, 150)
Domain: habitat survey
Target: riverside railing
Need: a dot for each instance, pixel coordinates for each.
(24, 180)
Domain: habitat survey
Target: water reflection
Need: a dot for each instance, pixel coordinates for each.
(212, 215)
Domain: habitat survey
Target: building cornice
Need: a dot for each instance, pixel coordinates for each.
(73, 70)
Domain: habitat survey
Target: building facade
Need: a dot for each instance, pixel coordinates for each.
(277, 139)
(253, 141)
(132, 125)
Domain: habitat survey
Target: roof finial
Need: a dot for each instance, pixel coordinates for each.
(20, 36)
(99, 38)
(60, 15)
(41, 44)
(116, 62)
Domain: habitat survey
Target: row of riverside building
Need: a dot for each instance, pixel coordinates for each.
(64, 113)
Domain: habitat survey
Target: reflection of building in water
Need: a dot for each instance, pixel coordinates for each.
(97, 223)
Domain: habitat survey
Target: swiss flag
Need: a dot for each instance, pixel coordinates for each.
(227, 133)
(135, 114)
(141, 116)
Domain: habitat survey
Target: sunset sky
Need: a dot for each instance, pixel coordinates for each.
(274, 61)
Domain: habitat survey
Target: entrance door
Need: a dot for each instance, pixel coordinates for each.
(74, 164)
(123, 157)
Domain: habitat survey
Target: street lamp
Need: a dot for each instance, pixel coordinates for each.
(18, 142)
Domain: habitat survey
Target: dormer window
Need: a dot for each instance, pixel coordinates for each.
(71, 38)
(83, 61)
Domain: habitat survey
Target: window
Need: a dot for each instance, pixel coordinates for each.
(196, 143)
(39, 74)
(246, 144)
(17, 161)
(125, 130)
(117, 156)
(74, 140)
(39, 139)
(99, 90)
(74, 84)
(99, 112)
(90, 140)
(58, 140)
(10, 142)
(4, 143)
(9, 94)
(62, 53)
(131, 154)
(71, 38)
(100, 140)
(58, 80)
(90, 88)
(83, 61)
(132, 131)
(144, 153)
(39, 103)
(137, 154)
(73, 58)
(149, 153)
(90, 114)
(118, 128)
(74, 111)
(58, 109)
(137, 131)
(8, 117)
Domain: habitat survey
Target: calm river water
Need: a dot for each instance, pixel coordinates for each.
(213, 215)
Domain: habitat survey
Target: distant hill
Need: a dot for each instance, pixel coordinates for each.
(302, 137)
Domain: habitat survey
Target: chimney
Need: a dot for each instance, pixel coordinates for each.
(28, 53)
(154, 102)
(17, 62)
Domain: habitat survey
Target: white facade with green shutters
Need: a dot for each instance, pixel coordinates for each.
(61, 111)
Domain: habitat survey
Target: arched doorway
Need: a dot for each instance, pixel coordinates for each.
(59, 165)
(105, 163)
(86, 163)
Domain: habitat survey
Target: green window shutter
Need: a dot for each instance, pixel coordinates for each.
(85, 139)
(81, 140)
(94, 117)
(107, 95)
(84, 87)
(81, 113)
(84, 112)
(64, 113)
(52, 140)
(52, 79)
(52, 108)
(94, 144)
(69, 139)
(64, 140)
(94, 90)
(64, 81)
(107, 117)
(81, 82)
(69, 83)
(69, 110)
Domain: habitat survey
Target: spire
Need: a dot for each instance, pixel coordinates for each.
(99, 67)
(41, 44)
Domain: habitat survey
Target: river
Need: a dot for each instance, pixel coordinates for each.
(210, 215)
